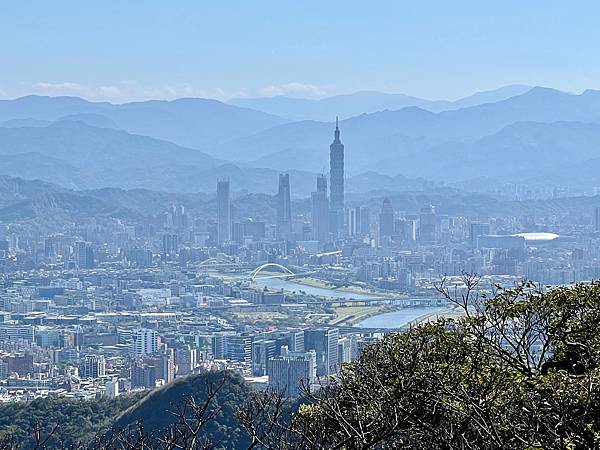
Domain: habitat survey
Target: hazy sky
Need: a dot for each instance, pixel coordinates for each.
(125, 49)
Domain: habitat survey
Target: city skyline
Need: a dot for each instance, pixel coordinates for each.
(297, 225)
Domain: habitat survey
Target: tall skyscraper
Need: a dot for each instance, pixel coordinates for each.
(336, 180)
(170, 244)
(597, 218)
(84, 255)
(386, 219)
(427, 223)
(324, 341)
(365, 221)
(284, 210)
(357, 221)
(223, 212)
(320, 211)
(262, 351)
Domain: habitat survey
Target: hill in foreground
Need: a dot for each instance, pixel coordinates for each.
(80, 422)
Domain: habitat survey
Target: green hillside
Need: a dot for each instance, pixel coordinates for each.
(78, 421)
(156, 410)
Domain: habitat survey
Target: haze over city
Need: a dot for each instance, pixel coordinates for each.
(310, 225)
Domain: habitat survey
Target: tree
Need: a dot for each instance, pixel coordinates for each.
(518, 370)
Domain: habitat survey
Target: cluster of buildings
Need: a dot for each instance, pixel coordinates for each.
(110, 305)
(94, 333)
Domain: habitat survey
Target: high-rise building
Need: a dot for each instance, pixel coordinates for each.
(295, 340)
(238, 347)
(324, 341)
(143, 375)
(597, 218)
(170, 244)
(185, 360)
(223, 212)
(347, 349)
(262, 351)
(84, 255)
(427, 223)
(352, 221)
(144, 341)
(320, 211)
(21, 363)
(112, 388)
(284, 210)
(357, 221)
(405, 230)
(164, 365)
(288, 372)
(365, 221)
(336, 180)
(218, 342)
(3, 370)
(93, 366)
(386, 219)
(477, 229)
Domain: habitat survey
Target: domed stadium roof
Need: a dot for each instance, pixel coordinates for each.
(531, 238)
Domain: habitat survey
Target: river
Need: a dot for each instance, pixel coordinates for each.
(400, 318)
(393, 319)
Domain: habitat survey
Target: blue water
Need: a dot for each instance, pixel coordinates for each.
(394, 319)
(398, 318)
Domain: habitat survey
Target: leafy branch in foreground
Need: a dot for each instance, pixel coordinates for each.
(518, 370)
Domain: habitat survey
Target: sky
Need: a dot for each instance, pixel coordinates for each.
(130, 50)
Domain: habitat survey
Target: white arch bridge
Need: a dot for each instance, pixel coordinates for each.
(285, 272)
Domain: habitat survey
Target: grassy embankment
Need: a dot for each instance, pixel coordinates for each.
(322, 284)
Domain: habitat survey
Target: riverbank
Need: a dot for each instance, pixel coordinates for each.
(322, 284)
(405, 317)
(452, 312)
(351, 315)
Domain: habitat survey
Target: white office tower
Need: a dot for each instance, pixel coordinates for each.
(112, 388)
(291, 371)
(144, 342)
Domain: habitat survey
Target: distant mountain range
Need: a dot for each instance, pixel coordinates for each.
(533, 137)
(349, 105)
(191, 122)
(523, 136)
(80, 156)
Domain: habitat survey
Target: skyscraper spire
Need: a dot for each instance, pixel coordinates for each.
(336, 182)
(284, 213)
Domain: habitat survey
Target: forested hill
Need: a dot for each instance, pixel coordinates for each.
(80, 422)
(157, 410)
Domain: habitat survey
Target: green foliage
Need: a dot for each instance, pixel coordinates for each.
(520, 370)
(157, 410)
(79, 421)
